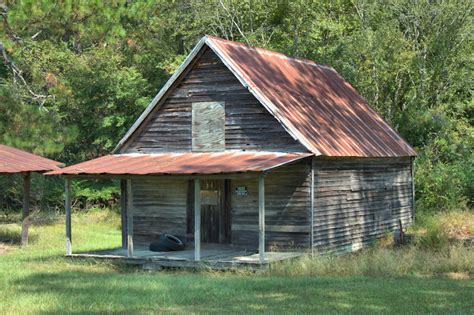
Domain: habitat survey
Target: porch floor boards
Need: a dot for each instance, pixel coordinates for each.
(213, 256)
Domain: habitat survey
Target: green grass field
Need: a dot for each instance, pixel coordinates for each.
(38, 279)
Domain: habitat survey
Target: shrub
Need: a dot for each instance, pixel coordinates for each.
(435, 236)
(442, 186)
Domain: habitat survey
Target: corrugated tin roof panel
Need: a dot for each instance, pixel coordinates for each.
(181, 163)
(16, 161)
(313, 101)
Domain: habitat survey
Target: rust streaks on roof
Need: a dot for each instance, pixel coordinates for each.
(182, 163)
(17, 161)
(313, 101)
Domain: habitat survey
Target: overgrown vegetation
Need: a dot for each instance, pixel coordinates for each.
(75, 76)
(437, 249)
(413, 279)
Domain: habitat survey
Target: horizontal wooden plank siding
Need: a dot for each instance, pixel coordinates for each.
(287, 209)
(248, 125)
(159, 207)
(358, 200)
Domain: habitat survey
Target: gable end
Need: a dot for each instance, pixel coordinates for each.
(168, 127)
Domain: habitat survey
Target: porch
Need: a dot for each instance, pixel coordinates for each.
(213, 256)
(215, 202)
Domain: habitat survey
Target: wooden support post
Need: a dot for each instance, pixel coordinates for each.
(26, 209)
(129, 218)
(197, 220)
(67, 203)
(413, 190)
(312, 209)
(261, 218)
(123, 211)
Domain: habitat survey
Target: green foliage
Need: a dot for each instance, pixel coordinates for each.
(46, 193)
(75, 76)
(101, 194)
(436, 237)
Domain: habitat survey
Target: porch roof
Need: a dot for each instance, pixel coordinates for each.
(186, 163)
(13, 160)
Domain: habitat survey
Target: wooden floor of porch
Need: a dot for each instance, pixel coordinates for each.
(213, 256)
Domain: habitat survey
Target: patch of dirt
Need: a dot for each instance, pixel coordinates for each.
(461, 227)
(4, 248)
(458, 275)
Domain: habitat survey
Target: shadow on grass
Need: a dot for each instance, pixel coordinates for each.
(13, 236)
(37, 218)
(135, 292)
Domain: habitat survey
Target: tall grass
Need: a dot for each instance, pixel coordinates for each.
(410, 260)
(433, 252)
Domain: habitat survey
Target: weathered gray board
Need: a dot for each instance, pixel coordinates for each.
(208, 122)
(159, 207)
(214, 256)
(287, 209)
(358, 200)
(248, 125)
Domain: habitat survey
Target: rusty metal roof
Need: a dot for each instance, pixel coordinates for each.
(16, 161)
(313, 102)
(181, 163)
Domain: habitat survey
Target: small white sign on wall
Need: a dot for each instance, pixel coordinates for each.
(241, 191)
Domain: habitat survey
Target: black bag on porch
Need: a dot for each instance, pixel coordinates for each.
(166, 243)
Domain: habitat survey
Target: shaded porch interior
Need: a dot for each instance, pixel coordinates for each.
(208, 230)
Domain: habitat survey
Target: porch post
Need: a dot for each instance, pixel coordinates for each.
(129, 218)
(26, 209)
(67, 203)
(311, 241)
(412, 189)
(123, 212)
(261, 218)
(197, 219)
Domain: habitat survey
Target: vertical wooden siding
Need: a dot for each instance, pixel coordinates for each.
(287, 209)
(248, 125)
(159, 207)
(208, 126)
(358, 200)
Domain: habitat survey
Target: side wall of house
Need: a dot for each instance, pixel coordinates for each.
(358, 200)
(248, 125)
(287, 209)
(159, 205)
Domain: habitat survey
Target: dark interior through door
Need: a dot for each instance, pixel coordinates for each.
(215, 211)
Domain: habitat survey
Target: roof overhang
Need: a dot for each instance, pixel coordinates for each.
(187, 163)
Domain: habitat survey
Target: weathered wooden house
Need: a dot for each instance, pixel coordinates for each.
(260, 152)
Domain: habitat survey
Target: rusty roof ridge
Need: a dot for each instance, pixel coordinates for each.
(272, 53)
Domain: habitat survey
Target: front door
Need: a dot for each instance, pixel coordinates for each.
(215, 211)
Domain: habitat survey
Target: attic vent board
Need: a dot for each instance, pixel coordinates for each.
(208, 125)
